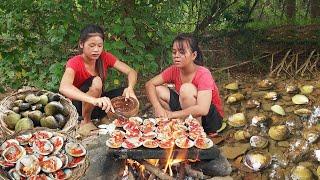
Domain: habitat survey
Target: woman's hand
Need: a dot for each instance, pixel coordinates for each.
(161, 112)
(104, 103)
(128, 92)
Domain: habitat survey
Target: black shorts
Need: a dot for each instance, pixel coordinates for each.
(211, 122)
(97, 112)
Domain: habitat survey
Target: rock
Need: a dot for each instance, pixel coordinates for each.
(231, 152)
(221, 178)
(216, 167)
(102, 166)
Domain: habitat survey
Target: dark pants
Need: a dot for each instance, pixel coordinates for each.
(97, 112)
(211, 122)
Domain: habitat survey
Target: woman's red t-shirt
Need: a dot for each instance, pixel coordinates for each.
(203, 80)
(81, 74)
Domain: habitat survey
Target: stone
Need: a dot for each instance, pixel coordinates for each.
(231, 152)
(102, 165)
(216, 167)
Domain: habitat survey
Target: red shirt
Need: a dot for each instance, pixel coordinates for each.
(203, 80)
(81, 74)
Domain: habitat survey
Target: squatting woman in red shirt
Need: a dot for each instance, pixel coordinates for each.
(84, 76)
(195, 90)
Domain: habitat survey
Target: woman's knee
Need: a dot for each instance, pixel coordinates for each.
(163, 92)
(96, 86)
(188, 91)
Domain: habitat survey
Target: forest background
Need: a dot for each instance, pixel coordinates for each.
(38, 36)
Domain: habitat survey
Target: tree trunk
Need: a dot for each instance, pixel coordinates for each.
(290, 8)
(315, 7)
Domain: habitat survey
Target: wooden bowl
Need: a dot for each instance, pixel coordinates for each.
(128, 108)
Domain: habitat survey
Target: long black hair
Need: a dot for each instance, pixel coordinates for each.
(90, 31)
(193, 43)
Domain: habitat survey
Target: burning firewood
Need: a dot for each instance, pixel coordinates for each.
(156, 171)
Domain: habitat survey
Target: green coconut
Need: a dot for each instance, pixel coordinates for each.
(15, 109)
(53, 97)
(44, 99)
(49, 122)
(32, 99)
(11, 120)
(23, 124)
(18, 102)
(24, 106)
(53, 108)
(35, 116)
(61, 120)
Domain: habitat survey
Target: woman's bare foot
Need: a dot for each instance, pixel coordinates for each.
(86, 127)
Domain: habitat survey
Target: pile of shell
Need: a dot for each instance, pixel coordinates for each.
(41, 155)
(273, 130)
(32, 110)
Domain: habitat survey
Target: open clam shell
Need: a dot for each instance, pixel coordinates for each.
(265, 84)
(136, 119)
(184, 143)
(57, 142)
(24, 138)
(149, 143)
(251, 103)
(131, 143)
(257, 160)
(75, 149)
(271, 96)
(75, 161)
(50, 164)
(149, 135)
(300, 99)
(259, 119)
(5, 164)
(13, 174)
(61, 174)
(113, 143)
(235, 98)
(237, 120)
(278, 109)
(292, 89)
(203, 143)
(166, 143)
(43, 134)
(118, 135)
(43, 146)
(13, 153)
(8, 143)
(28, 166)
(64, 159)
(310, 135)
(258, 141)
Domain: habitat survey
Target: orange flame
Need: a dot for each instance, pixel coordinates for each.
(170, 160)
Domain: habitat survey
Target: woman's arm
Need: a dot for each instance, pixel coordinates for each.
(201, 108)
(69, 90)
(152, 95)
(132, 77)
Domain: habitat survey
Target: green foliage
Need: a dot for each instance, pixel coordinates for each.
(37, 37)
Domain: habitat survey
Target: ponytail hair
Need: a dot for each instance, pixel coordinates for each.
(193, 43)
(90, 31)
